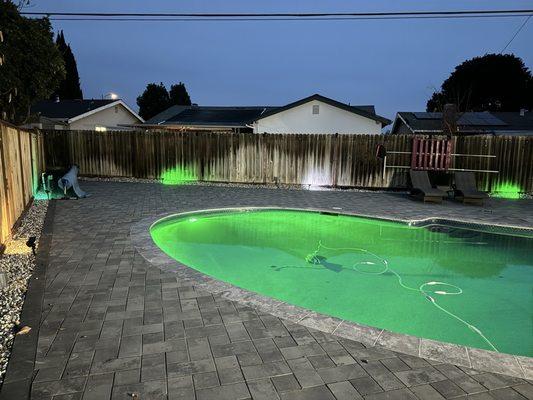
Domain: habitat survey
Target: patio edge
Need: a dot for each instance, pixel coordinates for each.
(483, 360)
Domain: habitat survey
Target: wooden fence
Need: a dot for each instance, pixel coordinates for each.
(328, 160)
(21, 162)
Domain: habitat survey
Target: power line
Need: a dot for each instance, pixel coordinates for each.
(283, 15)
(516, 33)
(171, 19)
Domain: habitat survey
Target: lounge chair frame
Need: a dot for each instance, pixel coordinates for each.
(422, 188)
(465, 189)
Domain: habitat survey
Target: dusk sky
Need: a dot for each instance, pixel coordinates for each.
(394, 65)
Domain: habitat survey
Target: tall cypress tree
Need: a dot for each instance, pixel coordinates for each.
(70, 87)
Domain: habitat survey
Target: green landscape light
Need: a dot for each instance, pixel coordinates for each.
(178, 176)
(40, 195)
(507, 190)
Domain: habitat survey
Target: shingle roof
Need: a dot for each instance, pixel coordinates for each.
(66, 109)
(515, 121)
(166, 114)
(217, 116)
(469, 122)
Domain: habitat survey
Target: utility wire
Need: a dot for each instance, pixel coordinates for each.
(196, 19)
(281, 15)
(516, 33)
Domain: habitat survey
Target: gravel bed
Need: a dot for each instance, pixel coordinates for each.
(17, 264)
(244, 185)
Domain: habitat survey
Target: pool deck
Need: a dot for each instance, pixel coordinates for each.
(108, 324)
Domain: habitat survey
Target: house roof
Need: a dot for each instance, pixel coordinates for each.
(71, 110)
(503, 123)
(217, 116)
(366, 111)
(66, 109)
(516, 122)
(166, 114)
(233, 117)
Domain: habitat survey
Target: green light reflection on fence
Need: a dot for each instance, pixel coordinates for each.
(507, 190)
(178, 176)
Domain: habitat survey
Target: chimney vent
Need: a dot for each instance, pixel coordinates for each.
(449, 119)
(56, 98)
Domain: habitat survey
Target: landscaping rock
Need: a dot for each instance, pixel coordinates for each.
(16, 267)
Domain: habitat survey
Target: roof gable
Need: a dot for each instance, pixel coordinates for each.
(73, 110)
(364, 111)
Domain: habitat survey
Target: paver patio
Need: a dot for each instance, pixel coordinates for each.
(113, 326)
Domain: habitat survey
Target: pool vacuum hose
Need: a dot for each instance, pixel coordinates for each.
(313, 258)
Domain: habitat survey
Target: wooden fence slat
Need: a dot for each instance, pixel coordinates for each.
(21, 162)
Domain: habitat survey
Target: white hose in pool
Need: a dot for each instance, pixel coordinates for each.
(313, 259)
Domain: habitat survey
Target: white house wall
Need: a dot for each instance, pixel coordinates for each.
(330, 119)
(109, 118)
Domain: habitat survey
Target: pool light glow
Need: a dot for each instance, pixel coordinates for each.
(178, 176)
(507, 190)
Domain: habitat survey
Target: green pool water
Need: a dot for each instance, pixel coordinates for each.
(455, 285)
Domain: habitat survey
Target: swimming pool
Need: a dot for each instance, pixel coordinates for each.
(451, 284)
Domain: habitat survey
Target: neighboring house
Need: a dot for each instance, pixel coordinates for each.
(518, 123)
(89, 114)
(313, 114)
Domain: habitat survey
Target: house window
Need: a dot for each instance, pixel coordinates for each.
(316, 109)
(100, 128)
(116, 109)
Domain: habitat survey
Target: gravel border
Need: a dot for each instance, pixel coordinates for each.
(17, 264)
(523, 196)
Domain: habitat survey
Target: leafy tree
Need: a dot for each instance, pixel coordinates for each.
(70, 86)
(156, 98)
(31, 67)
(153, 100)
(494, 82)
(178, 95)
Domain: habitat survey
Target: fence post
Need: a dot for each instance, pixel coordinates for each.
(4, 227)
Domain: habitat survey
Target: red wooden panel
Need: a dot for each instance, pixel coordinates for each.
(431, 154)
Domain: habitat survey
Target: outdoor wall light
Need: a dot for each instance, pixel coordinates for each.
(31, 243)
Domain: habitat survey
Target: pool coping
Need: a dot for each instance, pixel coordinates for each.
(479, 359)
